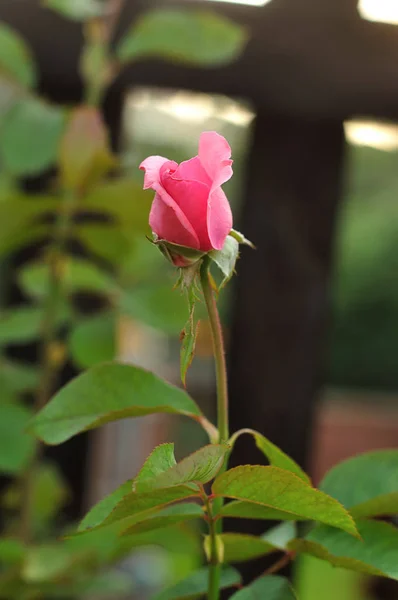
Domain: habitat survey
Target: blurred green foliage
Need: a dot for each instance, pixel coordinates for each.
(315, 579)
(88, 226)
(199, 38)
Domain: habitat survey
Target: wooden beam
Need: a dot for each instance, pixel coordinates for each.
(305, 57)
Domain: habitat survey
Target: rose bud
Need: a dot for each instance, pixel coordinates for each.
(190, 211)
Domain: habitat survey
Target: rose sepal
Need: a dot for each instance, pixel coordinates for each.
(179, 256)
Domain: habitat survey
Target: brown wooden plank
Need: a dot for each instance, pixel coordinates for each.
(304, 57)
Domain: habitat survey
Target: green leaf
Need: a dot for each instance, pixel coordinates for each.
(366, 484)
(315, 578)
(158, 306)
(280, 535)
(10, 93)
(196, 584)
(12, 551)
(77, 10)
(108, 545)
(238, 547)
(20, 325)
(123, 200)
(240, 238)
(188, 344)
(11, 242)
(112, 584)
(84, 156)
(278, 458)
(177, 539)
(17, 377)
(175, 252)
(276, 488)
(199, 467)
(171, 515)
(103, 543)
(249, 510)
(160, 460)
(194, 37)
(275, 455)
(19, 220)
(136, 504)
(270, 587)
(23, 324)
(7, 397)
(106, 393)
(107, 241)
(93, 340)
(78, 275)
(376, 553)
(16, 446)
(47, 562)
(15, 58)
(30, 137)
(226, 258)
(143, 262)
(188, 335)
(104, 507)
(94, 63)
(49, 494)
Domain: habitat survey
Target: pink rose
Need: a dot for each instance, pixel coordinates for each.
(190, 209)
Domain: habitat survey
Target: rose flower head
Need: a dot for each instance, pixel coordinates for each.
(190, 214)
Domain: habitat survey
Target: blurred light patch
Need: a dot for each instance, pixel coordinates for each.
(248, 2)
(385, 11)
(382, 136)
(191, 108)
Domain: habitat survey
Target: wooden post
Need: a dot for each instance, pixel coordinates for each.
(281, 300)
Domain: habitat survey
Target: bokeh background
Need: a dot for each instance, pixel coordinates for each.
(311, 110)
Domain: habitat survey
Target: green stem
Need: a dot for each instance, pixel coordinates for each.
(50, 358)
(219, 353)
(215, 528)
(213, 591)
(104, 33)
(214, 563)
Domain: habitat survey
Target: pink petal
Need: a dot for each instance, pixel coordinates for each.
(192, 198)
(169, 222)
(193, 170)
(219, 218)
(215, 156)
(152, 166)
